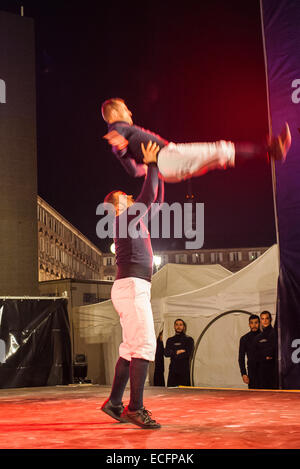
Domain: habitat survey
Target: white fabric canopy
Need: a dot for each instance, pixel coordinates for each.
(199, 295)
(252, 289)
(174, 279)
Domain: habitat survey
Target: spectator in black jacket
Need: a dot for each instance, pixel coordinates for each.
(266, 353)
(246, 349)
(179, 348)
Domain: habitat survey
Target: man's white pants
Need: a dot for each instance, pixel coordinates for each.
(131, 299)
(180, 161)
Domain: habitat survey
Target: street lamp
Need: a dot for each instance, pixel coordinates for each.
(157, 262)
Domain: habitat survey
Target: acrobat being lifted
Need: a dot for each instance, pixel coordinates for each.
(179, 161)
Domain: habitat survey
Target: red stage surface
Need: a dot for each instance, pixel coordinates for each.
(69, 417)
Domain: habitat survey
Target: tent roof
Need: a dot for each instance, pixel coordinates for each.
(174, 279)
(259, 276)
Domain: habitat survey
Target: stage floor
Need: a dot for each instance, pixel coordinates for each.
(69, 417)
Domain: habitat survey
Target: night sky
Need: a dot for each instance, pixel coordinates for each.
(192, 71)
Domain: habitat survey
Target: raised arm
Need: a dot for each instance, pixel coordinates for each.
(156, 206)
(150, 155)
(129, 164)
(148, 194)
(149, 190)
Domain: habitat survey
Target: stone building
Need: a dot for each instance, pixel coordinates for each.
(232, 259)
(64, 252)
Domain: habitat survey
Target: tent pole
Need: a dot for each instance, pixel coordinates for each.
(273, 187)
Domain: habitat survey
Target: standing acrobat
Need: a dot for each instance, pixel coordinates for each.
(130, 295)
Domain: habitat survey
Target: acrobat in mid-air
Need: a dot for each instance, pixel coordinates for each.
(179, 161)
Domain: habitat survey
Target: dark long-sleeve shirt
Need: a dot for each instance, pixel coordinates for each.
(246, 349)
(266, 358)
(266, 344)
(179, 342)
(134, 255)
(179, 370)
(132, 156)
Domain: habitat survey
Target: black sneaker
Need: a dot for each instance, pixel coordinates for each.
(279, 146)
(141, 417)
(113, 411)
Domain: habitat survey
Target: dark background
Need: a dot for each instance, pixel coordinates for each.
(191, 72)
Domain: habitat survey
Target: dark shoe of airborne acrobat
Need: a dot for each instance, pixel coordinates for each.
(279, 146)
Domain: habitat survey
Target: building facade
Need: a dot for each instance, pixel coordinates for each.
(232, 259)
(64, 252)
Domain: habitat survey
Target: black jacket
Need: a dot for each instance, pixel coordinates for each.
(266, 346)
(247, 348)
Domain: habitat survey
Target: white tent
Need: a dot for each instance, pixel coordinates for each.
(175, 279)
(217, 317)
(204, 297)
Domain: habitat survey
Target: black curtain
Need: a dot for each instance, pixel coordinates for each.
(35, 335)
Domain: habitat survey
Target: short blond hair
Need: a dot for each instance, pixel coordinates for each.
(113, 197)
(108, 106)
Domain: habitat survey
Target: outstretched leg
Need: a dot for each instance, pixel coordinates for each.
(177, 162)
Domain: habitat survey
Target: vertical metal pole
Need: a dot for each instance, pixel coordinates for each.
(273, 187)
